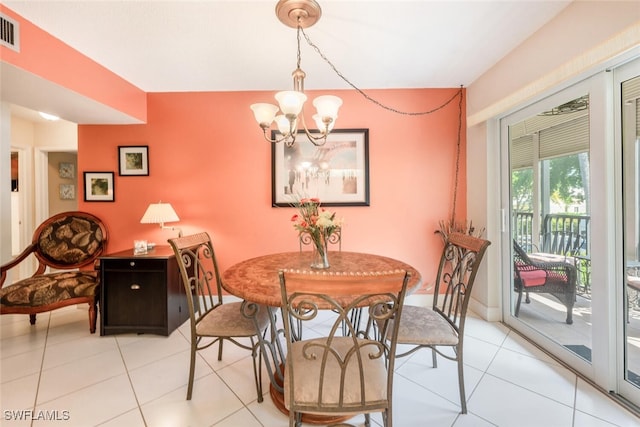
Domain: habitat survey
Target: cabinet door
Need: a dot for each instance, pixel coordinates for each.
(136, 298)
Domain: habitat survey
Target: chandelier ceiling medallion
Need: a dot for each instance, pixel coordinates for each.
(297, 14)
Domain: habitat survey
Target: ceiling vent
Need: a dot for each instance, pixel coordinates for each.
(9, 33)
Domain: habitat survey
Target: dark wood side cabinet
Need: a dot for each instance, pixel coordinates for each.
(141, 293)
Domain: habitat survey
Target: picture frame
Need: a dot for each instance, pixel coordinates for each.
(337, 172)
(133, 160)
(66, 170)
(67, 192)
(99, 187)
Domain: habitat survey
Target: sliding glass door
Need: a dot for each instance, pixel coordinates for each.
(549, 197)
(627, 85)
(571, 197)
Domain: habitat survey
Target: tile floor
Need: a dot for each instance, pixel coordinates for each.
(58, 369)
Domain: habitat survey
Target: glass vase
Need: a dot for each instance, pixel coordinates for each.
(320, 254)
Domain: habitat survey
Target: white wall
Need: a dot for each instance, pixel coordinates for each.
(30, 139)
(585, 37)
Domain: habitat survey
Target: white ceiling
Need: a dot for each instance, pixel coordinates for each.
(235, 45)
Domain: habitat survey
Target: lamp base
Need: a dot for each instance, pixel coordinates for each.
(294, 13)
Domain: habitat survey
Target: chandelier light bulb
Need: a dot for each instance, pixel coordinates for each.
(321, 125)
(285, 126)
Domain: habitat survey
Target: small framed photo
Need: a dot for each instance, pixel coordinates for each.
(337, 172)
(66, 170)
(133, 160)
(67, 191)
(98, 187)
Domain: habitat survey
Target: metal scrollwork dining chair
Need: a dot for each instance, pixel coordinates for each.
(338, 374)
(211, 320)
(442, 325)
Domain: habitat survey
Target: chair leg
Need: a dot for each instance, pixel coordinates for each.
(257, 370)
(434, 357)
(463, 399)
(192, 368)
(32, 319)
(569, 305)
(220, 341)
(518, 303)
(92, 317)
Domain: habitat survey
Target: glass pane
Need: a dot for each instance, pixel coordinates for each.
(550, 224)
(631, 231)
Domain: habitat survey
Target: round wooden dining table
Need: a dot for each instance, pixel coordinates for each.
(256, 280)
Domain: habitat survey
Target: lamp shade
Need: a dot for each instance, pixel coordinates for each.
(264, 113)
(159, 213)
(291, 101)
(327, 105)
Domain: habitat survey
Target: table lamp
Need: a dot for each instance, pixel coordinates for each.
(159, 213)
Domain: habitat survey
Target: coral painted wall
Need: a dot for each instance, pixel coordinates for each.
(208, 159)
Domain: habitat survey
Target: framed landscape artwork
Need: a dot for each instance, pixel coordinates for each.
(98, 187)
(133, 160)
(337, 172)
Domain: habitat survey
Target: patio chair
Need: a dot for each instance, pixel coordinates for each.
(555, 278)
(65, 242)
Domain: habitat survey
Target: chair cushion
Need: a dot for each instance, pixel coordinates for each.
(423, 326)
(533, 277)
(70, 240)
(227, 320)
(307, 375)
(50, 288)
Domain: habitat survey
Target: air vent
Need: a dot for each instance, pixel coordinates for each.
(9, 33)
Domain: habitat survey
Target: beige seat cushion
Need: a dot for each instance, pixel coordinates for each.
(307, 375)
(228, 321)
(423, 326)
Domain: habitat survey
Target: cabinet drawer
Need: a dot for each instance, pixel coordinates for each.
(135, 264)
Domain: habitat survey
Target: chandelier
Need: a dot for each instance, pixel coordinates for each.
(297, 14)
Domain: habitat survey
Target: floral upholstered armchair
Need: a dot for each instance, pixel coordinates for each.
(65, 242)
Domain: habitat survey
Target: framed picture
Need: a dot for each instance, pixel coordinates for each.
(337, 172)
(98, 187)
(67, 191)
(133, 160)
(66, 170)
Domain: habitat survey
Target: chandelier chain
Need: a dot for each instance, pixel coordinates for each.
(361, 92)
(455, 185)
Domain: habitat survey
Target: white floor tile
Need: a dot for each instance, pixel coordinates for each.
(242, 418)
(165, 375)
(21, 365)
(506, 404)
(131, 380)
(73, 376)
(548, 380)
(93, 405)
(590, 401)
(212, 402)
